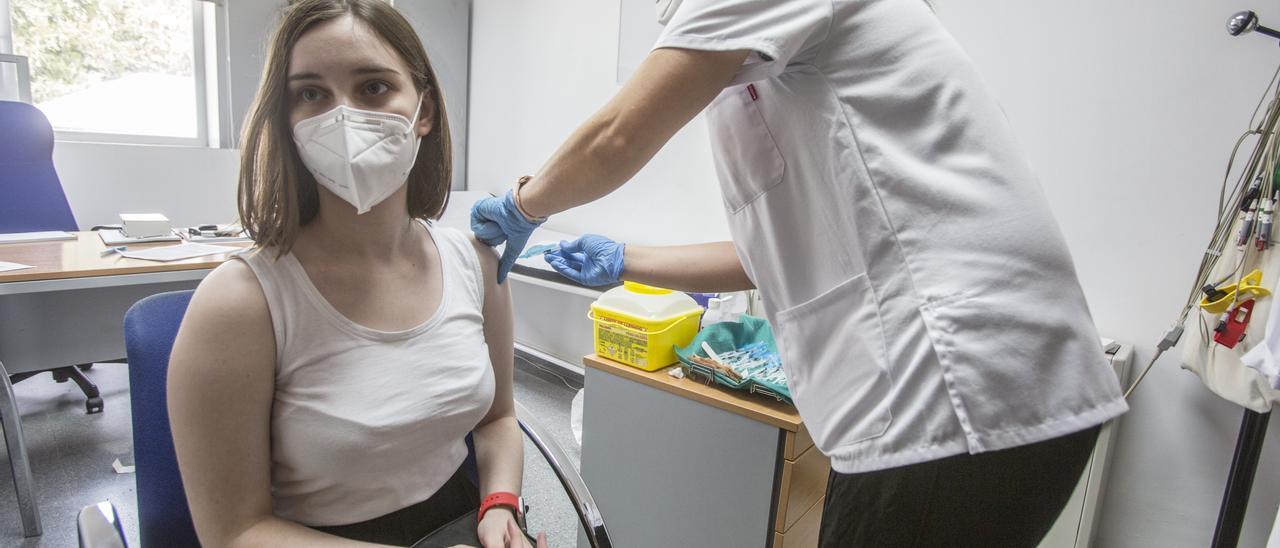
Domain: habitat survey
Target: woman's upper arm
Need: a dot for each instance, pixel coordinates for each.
(220, 390)
(499, 333)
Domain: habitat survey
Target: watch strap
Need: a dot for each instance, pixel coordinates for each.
(520, 205)
(501, 499)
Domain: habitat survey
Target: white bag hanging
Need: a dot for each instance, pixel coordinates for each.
(1220, 368)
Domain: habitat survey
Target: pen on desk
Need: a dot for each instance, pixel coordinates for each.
(111, 250)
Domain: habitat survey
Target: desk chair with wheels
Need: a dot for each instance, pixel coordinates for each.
(32, 200)
(164, 518)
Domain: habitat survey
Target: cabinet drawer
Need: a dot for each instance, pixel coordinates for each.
(804, 481)
(804, 534)
(796, 443)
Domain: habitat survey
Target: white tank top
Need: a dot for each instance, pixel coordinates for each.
(367, 422)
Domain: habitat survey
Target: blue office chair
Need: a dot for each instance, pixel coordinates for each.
(33, 201)
(33, 197)
(164, 519)
(150, 327)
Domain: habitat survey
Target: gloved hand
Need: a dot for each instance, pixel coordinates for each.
(590, 260)
(497, 220)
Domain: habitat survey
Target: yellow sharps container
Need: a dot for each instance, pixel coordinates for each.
(641, 325)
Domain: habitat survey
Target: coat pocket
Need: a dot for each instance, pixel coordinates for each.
(747, 158)
(833, 349)
(1011, 366)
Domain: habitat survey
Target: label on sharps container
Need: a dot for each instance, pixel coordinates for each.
(623, 344)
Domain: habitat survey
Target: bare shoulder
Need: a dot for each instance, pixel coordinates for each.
(488, 255)
(497, 298)
(228, 317)
(233, 290)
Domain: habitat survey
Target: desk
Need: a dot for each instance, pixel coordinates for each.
(69, 310)
(674, 462)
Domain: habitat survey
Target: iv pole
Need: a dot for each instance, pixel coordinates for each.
(1244, 464)
(1253, 426)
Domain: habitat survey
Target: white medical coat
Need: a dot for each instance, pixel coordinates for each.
(924, 299)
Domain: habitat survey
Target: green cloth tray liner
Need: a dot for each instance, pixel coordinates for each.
(725, 337)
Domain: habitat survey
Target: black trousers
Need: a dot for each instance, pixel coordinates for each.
(458, 496)
(1008, 498)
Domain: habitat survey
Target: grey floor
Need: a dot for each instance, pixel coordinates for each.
(71, 455)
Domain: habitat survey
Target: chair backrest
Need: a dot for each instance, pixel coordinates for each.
(150, 327)
(31, 196)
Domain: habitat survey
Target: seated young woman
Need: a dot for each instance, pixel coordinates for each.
(322, 385)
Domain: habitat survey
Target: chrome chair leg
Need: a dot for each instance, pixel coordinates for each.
(22, 481)
(98, 526)
(583, 504)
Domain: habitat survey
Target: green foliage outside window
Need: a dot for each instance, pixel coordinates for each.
(74, 44)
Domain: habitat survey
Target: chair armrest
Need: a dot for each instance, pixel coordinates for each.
(588, 512)
(99, 526)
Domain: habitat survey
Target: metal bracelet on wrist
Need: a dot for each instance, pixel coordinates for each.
(520, 206)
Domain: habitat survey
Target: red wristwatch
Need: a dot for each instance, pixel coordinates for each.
(506, 500)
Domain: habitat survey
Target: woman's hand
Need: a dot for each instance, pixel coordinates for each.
(499, 529)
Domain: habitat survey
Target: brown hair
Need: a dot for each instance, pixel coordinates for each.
(277, 194)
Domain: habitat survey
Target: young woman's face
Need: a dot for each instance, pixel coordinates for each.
(343, 62)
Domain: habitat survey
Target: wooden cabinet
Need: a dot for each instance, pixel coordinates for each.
(804, 534)
(801, 488)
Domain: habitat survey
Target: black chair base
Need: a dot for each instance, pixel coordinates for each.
(93, 397)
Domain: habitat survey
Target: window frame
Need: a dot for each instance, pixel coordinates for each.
(208, 70)
(23, 74)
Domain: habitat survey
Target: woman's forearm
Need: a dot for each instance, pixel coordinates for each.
(597, 159)
(276, 531)
(499, 455)
(669, 88)
(702, 268)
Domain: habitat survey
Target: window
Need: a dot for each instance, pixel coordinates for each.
(131, 71)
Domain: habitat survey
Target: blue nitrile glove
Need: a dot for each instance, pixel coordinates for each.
(496, 220)
(590, 260)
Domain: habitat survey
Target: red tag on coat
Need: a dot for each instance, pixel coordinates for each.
(1233, 332)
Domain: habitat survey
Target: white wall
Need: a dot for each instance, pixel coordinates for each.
(540, 68)
(1128, 111)
(248, 30)
(190, 185)
(445, 29)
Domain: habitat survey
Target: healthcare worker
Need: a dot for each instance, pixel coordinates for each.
(936, 339)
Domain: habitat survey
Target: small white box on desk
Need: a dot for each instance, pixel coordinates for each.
(144, 225)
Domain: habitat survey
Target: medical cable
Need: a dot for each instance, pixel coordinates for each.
(1240, 205)
(548, 371)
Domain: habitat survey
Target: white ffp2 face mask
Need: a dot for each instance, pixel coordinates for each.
(363, 156)
(667, 10)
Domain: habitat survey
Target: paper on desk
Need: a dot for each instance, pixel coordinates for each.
(178, 252)
(5, 267)
(27, 237)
